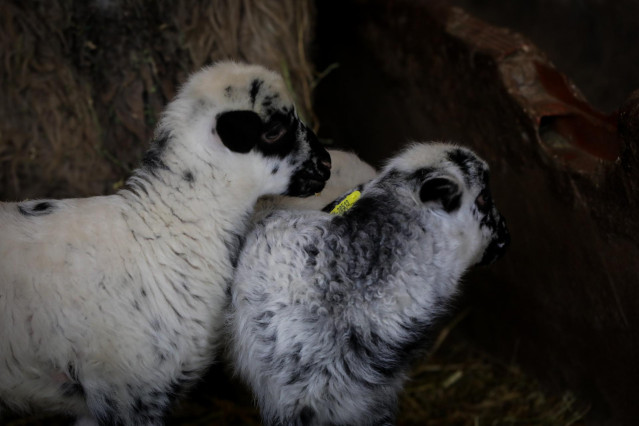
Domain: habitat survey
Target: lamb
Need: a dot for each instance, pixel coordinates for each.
(110, 306)
(328, 310)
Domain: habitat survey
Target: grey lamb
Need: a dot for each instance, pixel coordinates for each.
(328, 310)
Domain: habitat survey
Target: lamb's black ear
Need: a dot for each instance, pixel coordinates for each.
(441, 189)
(239, 130)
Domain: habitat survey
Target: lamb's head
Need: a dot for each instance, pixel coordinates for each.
(453, 183)
(243, 116)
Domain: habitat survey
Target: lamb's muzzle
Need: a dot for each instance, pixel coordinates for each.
(498, 245)
(311, 177)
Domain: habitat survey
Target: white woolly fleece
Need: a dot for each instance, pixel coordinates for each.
(110, 306)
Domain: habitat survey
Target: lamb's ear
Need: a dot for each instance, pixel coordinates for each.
(441, 189)
(239, 130)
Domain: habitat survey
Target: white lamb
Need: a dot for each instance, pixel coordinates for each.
(328, 310)
(110, 306)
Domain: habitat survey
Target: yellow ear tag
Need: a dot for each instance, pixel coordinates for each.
(346, 203)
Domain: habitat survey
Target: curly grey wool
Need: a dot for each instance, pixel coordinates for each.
(328, 310)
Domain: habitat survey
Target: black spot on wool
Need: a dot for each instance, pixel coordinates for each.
(109, 411)
(152, 159)
(188, 176)
(73, 387)
(312, 252)
(255, 88)
(36, 208)
(356, 345)
(233, 243)
(264, 320)
(307, 414)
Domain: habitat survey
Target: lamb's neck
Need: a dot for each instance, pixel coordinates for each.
(207, 203)
(411, 262)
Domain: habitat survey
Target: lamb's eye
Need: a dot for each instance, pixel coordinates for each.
(483, 199)
(274, 133)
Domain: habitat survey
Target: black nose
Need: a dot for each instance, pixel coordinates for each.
(312, 175)
(498, 245)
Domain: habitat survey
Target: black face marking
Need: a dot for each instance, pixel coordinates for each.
(441, 189)
(419, 175)
(228, 91)
(312, 175)
(279, 135)
(239, 130)
(188, 176)
(460, 159)
(268, 102)
(152, 159)
(255, 88)
(467, 163)
(275, 170)
(274, 133)
(499, 243)
(36, 208)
